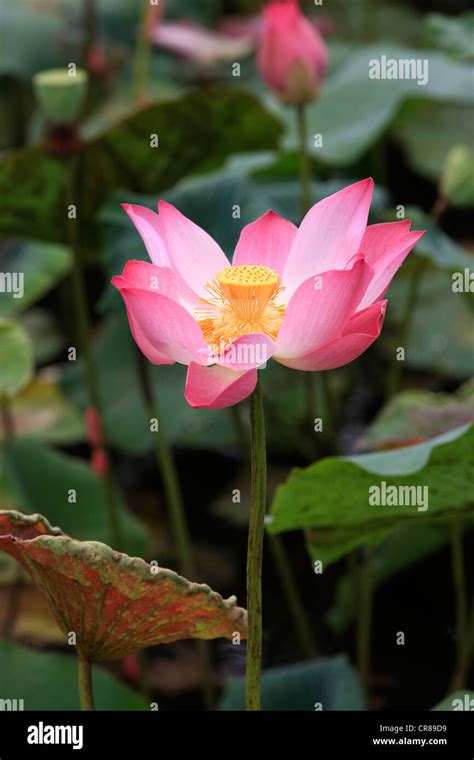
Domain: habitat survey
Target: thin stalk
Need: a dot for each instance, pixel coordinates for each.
(177, 515)
(458, 680)
(86, 693)
(416, 276)
(364, 617)
(255, 550)
(293, 598)
(83, 332)
(142, 58)
(283, 566)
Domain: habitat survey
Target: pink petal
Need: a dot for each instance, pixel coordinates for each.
(193, 254)
(217, 387)
(163, 324)
(329, 235)
(163, 280)
(265, 242)
(320, 308)
(385, 247)
(358, 335)
(198, 43)
(151, 353)
(148, 226)
(247, 352)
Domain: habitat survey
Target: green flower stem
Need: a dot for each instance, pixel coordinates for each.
(364, 617)
(459, 580)
(283, 566)
(86, 693)
(142, 58)
(177, 515)
(293, 598)
(255, 550)
(83, 333)
(416, 277)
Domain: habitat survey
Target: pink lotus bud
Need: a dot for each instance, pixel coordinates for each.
(292, 54)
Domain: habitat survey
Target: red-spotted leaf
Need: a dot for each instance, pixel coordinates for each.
(115, 604)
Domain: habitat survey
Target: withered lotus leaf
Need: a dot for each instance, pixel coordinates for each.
(115, 604)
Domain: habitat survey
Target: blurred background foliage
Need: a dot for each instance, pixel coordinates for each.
(224, 141)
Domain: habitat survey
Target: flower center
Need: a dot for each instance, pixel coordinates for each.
(242, 300)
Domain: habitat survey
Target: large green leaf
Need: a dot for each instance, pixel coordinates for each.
(46, 681)
(40, 480)
(440, 338)
(16, 358)
(41, 265)
(329, 683)
(428, 131)
(354, 110)
(195, 133)
(330, 499)
(407, 417)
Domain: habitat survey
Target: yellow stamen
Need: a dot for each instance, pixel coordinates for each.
(242, 300)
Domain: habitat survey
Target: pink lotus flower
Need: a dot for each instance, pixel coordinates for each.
(311, 298)
(292, 54)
